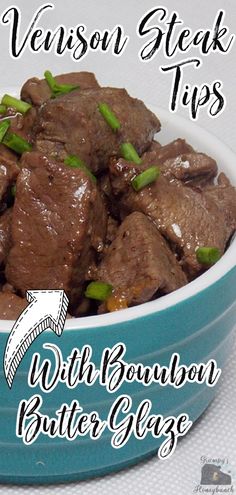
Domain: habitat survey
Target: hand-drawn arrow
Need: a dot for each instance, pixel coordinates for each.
(47, 309)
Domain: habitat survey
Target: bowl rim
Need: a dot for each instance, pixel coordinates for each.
(210, 277)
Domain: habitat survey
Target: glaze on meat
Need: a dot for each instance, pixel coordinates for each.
(71, 216)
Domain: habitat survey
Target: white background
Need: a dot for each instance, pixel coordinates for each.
(215, 434)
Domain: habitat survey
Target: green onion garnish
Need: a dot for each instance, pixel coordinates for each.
(76, 162)
(109, 116)
(145, 178)
(4, 126)
(208, 255)
(129, 153)
(19, 105)
(58, 89)
(3, 109)
(16, 143)
(99, 291)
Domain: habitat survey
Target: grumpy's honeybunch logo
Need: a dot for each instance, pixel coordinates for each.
(216, 476)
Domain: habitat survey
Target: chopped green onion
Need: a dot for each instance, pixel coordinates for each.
(109, 116)
(13, 190)
(58, 89)
(99, 291)
(19, 105)
(208, 255)
(4, 126)
(16, 143)
(145, 178)
(3, 109)
(76, 162)
(129, 153)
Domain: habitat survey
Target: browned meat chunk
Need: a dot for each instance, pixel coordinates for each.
(139, 263)
(7, 153)
(224, 195)
(190, 166)
(37, 91)
(73, 125)
(58, 224)
(8, 170)
(23, 125)
(11, 306)
(179, 160)
(170, 150)
(5, 235)
(187, 218)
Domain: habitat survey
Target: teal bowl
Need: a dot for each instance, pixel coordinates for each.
(196, 321)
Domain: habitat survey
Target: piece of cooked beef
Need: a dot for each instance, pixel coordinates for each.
(8, 154)
(224, 195)
(139, 263)
(170, 150)
(187, 218)
(72, 125)
(178, 159)
(8, 288)
(37, 91)
(11, 305)
(9, 170)
(5, 235)
(190, 166)
(155, 145)
(23, 125)
(58, 224)
(168, 159)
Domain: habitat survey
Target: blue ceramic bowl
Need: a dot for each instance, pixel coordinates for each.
(196, 321)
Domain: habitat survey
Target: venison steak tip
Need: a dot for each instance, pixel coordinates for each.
(58, 224)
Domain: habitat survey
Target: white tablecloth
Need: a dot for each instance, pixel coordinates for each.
(215, 434)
